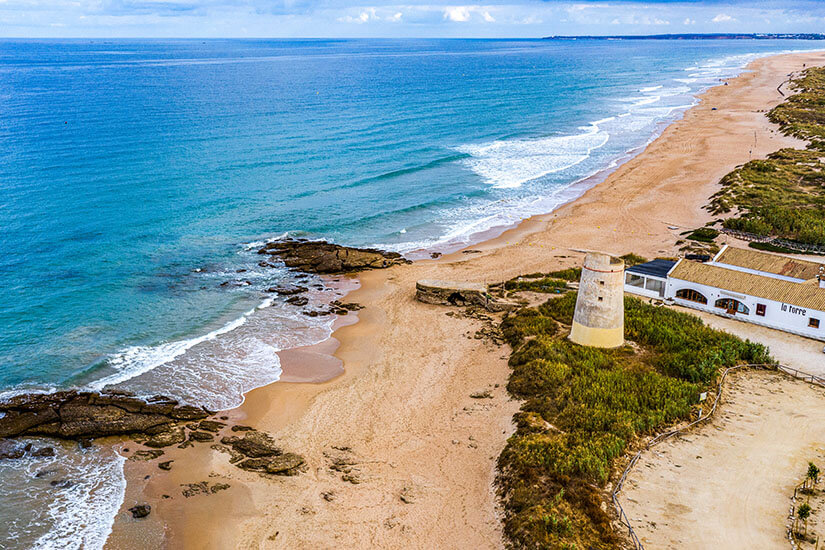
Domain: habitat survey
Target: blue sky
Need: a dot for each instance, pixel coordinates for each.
(400, 18)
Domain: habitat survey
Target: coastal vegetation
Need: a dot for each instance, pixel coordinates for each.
(783, 195)
(583, 407)
(555, 282)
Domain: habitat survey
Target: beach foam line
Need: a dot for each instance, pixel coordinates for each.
(508, 164)
(136, 360)
(81, 515)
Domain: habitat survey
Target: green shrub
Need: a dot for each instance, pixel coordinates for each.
(703, 234)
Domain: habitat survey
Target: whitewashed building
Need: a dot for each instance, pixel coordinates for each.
(757, 287)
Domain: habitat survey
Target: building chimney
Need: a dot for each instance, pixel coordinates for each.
(821, 277)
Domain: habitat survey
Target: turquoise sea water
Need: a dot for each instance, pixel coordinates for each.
(137, 176)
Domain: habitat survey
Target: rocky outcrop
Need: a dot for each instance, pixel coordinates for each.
(453, 293)
(253, 444)
(324, 257)
(81, 415)
(140, 511)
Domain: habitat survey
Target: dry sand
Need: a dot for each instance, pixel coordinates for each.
(403, 403)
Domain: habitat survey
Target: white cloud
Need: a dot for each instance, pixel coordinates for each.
(458, 14)
(722, 18)
(689, 21)
(462, 14)
(371, 14)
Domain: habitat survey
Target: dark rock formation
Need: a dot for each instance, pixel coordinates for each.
(166, 465)
(140, 511)
(298, 301)
(201, 436)
(166, 438)
(288, 290)
(253, 444)
(287, 464)
(146, 455)
(81, 415)
(324, 257)
(211, 426)
(44, 452)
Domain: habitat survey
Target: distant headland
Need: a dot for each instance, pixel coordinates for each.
(721, 36)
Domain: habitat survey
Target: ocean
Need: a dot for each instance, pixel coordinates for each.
(138, 178)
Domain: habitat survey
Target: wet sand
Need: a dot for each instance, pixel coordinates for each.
(403, 405)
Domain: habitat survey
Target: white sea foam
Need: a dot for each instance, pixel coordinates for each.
(651, 88)
(511, 163)
(68, 501)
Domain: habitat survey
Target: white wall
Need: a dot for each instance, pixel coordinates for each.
(777, 315)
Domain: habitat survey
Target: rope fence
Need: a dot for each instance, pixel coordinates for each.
(796, 373)
(776, 241)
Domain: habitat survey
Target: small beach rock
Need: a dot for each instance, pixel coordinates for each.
(192, 489)
(140, 511)
(329, 496)
(240, 428)
(166, 465)
(352, 477)
(61, 483)
(253, 444)
(201, 436)
(407, 496)
(167, 438)
(482, 395)
(11, 451)
(146, 455)
(287, 290)
(218, 487)
(299, 301)
(84, 443)
(211, 426)
(287, 464)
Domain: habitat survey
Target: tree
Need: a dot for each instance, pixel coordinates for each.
(813, 473)
(803, 512)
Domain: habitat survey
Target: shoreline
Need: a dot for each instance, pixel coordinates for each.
(394, 331)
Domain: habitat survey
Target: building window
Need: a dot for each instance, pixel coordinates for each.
(601, 283)
(691, 295)
(600, 298)
(813, 323)
(655, 285)
(635, 280)
(760, 310)
(732, 306)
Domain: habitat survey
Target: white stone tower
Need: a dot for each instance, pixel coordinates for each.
(599, 317)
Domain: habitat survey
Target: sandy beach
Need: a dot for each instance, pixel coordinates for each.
(400, 410)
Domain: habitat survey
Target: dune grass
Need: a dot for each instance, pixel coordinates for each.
(784, 195)
(584, 406)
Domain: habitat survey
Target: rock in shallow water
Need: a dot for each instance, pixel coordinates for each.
(76, 415)
(324, 257)
(140, 511)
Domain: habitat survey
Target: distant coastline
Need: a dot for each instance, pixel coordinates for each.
(719, 36)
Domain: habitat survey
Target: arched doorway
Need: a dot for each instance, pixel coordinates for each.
(732, 307)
